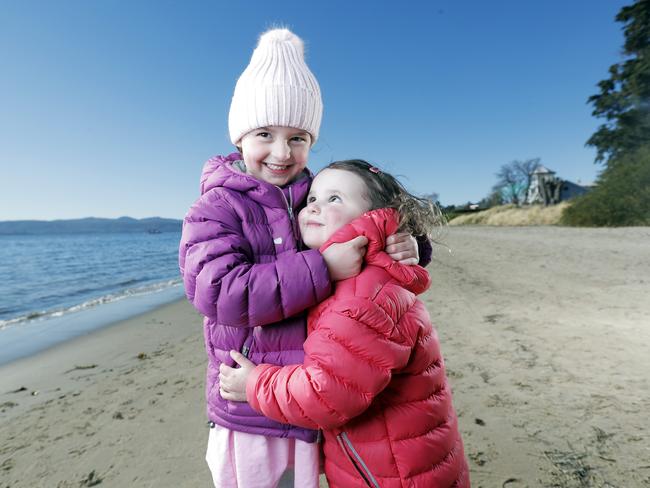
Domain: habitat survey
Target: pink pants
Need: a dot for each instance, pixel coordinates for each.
(240, 460)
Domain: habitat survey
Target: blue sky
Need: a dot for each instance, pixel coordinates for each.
(109, 108)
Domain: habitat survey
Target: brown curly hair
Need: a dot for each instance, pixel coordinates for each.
(418, 216)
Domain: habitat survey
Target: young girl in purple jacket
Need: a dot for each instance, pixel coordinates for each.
(244, 267)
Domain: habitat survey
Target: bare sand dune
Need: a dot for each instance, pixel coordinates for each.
(545, 331)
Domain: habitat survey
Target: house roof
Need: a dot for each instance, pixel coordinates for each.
(541, 169)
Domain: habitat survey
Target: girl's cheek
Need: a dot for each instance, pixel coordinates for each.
(337, 217)
(301, 218)
(302, 155)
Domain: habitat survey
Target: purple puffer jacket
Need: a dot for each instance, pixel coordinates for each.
(243, 270)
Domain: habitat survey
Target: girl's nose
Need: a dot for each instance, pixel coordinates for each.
(281, 151)
(312, 207)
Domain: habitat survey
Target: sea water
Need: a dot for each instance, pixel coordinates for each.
(54, 287)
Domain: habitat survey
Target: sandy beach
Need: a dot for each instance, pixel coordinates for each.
(545, 331)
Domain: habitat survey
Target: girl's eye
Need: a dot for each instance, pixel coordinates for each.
(299, 139)
(334, 198)
(263, 134)
(311, 199)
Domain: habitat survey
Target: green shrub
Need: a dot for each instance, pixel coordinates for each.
(621, 198)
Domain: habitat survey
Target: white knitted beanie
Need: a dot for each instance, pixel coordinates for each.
(276, 89)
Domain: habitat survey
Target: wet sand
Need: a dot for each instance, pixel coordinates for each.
(545, 332)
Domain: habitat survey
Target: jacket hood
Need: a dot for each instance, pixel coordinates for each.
(212, 173)
(221, 171)
(376, 225)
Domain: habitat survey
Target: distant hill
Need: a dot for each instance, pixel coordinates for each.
(90, 225)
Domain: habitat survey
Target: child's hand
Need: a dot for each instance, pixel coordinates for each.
(402, 247)
(344, 260)
(232, 381)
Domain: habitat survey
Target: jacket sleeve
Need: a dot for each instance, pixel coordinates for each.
(425, 250)
(222, 281)
(348, 362)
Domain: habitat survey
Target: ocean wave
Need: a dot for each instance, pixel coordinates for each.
(111, 297)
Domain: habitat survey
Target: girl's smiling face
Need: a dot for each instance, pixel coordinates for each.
(336, 197)
(275, 154)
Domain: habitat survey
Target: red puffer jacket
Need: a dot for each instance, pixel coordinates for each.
(373, 377)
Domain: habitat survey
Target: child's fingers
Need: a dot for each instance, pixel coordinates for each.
(240, 359)
(397, 238)
(400, 256)
(236, 355)
(397, 248)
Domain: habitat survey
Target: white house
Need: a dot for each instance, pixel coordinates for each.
(548, 189)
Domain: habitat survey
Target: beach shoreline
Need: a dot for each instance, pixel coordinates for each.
(26, 338)
(543, 330)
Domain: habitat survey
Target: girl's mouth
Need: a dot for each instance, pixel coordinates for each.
(277, 167)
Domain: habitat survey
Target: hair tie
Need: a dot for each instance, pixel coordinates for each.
(374, 169)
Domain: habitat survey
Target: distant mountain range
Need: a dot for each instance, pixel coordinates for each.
(90, 225)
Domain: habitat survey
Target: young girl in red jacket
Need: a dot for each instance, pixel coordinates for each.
(373, 378)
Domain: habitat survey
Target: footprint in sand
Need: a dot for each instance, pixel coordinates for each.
(493, 318)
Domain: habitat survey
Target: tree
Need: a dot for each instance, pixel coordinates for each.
(494, 199)
(624, 98)
(622, 196)
(514, 179)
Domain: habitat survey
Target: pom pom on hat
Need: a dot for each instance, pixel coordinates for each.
(283, 35)
(276, 88)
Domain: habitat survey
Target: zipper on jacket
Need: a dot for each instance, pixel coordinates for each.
(292, 218)
(246, 348)
(287, 203)
(358, 463)
(294, 224)
(290, 205)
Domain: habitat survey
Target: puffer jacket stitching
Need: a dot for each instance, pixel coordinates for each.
(447, 460)
(285, 420)
(437, 393)
(392, 438)
(302, 412)
(422, 434)
(386, 315)
(351, 347)
(280, 298)
(431, 395)
(384, 305)
(326, 404)
(371, 304)
(343, 382)
(463, 473)
(209, 264)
